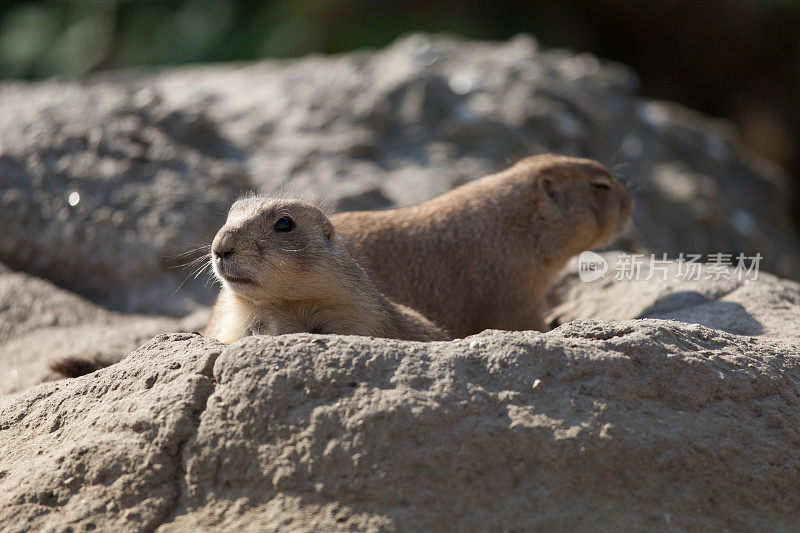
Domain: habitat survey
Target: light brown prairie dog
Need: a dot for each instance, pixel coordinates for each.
(484, 254)
(284, 269)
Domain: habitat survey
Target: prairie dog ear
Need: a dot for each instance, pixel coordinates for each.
(549, 187)
(328, 230)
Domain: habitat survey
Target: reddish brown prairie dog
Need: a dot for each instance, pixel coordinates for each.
(484, 254)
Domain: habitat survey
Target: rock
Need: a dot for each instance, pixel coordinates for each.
(101, 189)
(103, 181)
(766, 305)
(41, 324)
(639, 424)
(120, 441)
(28, 303)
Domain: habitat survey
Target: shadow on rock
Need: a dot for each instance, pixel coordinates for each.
(694, 308)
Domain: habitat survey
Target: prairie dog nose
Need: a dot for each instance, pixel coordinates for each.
(223, 244)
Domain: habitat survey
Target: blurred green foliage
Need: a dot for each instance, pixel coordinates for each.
(72, 38)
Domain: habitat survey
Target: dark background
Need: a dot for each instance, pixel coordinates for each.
(738, 59)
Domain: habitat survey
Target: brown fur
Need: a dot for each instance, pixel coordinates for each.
(483, 255)
(303, 280)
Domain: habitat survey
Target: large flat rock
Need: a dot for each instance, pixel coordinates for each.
(641, 424)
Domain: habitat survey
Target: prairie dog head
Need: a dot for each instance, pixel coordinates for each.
(276, 249)
(578, 200)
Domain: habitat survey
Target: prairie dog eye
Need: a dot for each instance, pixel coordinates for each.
(284, 224)
(601, 185)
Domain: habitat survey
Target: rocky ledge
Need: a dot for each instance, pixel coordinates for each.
(690, 421)
(639, 424)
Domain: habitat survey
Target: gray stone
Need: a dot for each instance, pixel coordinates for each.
(639, 424)
(41, 324)
(152, 161)
(735, 302)
(104, 453)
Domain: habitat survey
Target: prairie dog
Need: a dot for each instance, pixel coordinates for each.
(484, 254)
(284, 269)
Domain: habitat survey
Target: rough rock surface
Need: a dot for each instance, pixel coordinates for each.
(645, 424)
(151, 162)
(41, 324)
(765, 305)
(119, 438)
